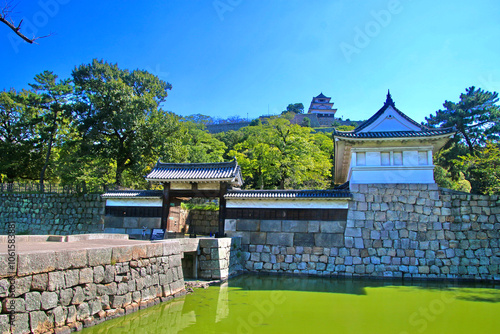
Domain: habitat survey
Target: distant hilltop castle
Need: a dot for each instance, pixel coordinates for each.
(320, 113)
(322, 107)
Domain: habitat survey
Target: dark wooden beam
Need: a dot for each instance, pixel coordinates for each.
(165, 207)
(222, 208)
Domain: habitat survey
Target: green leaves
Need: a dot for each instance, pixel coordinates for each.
(470, 163)
(484, 169)
(116, 106)
(476, 117)
(280, 155)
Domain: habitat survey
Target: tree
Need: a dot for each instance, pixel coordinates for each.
(199, 119)
(200, 145)
(230, 138)
(17, 136)
(345, 128)
(306, 122)
(297, 108)
(5, 18)
(476, 117)
(113, 107)
(281, 155)
(483, 167)
(444, 179)
(52, 102)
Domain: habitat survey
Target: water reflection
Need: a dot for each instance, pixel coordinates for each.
(285, 304)
(351, 285)
(223, 302)
(166, 318)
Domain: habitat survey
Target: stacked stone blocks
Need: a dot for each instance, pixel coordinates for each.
(402, 230)
(63, 291)
(52, 213)
(219, 258)
(202, 222)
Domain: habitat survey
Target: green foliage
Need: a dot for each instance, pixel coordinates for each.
(255, 122)
(114, 107)
(464, 164)
(476, 117)
(230, 138)
(280, 155)
(483, 167)
(306, 122)
(345, 128)
(336, 124)
(444, 179)
(54, 113)
(201, 146)
(206, 207)
(296, 108)
(18, 138)
(199, 119)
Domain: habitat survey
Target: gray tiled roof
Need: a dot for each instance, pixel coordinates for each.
(423, 132)
(229, 171)
(287, 194)
(389, 103)
(132, 193)
(395, 134)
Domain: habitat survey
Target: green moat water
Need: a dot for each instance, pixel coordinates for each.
(277, 304)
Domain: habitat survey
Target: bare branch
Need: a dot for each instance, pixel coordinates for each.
(4, 17)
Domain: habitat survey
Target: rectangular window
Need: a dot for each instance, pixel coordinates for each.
(386, 158)
(360, 159)
(398, 159)
(373, 158)
(422, 158)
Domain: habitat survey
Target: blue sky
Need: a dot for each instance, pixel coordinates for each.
(242, 57)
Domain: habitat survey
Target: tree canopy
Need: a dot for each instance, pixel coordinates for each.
(297, 108)
(465, 163)
(280, 155)
(476, 117)
(113, 105)
(106, 125)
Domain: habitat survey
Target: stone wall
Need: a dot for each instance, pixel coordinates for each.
(69, 289)
(52, 213)
(202, 222)
(392, 230)
(219, 258)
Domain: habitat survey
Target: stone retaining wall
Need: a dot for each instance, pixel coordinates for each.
(392, 230)
(202, 222)
(220, 258)
(52, 213)
(67, 290)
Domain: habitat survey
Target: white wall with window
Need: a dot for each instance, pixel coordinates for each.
(391, 165)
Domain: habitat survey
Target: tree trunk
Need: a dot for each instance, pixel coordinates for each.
(46, 164)
(49, 150)
(467, 140)
(119, 173)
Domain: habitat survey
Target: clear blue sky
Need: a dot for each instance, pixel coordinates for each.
(239, 57)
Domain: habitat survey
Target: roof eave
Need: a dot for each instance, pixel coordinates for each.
(231, 180)
(448, 134)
